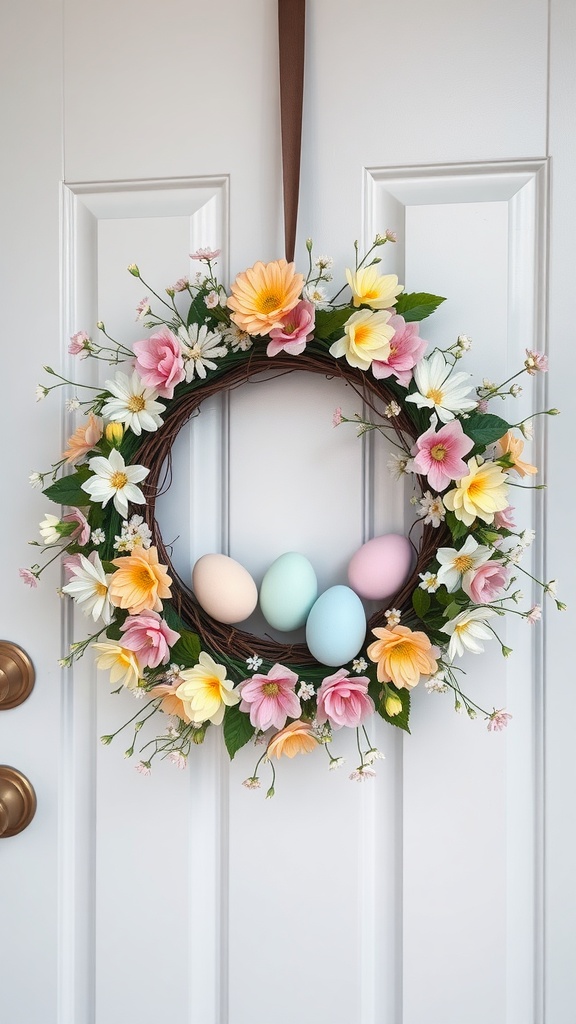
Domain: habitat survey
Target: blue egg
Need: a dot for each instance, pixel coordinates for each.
(288, 591)
(336, 626)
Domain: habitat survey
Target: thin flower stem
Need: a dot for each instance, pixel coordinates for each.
(359, 748)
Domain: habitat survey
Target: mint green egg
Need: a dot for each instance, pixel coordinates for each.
(288, 591)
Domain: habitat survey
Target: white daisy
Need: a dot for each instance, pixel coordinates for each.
(133, 403)
(455, 564)
(432, 509)
(36, 480)
(89, 588)
(239, 341)
(440, 389)
(317, 295)
(114, 479)
(466, 631)
(397, 465)
(200, 347)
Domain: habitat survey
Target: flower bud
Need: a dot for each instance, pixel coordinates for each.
(393, 705)
(133, 269)
(114, 433)
(309, 244)
(100, 325)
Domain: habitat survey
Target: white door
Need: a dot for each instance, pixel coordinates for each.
(420, 896)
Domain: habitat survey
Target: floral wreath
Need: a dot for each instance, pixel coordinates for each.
(155, 637)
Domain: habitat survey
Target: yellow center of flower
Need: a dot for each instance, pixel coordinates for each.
(101, 589)
(289, 328)
(267, 302)
(271, 689)
(438, 452)
(136, 403)
(213, 685)
(118, 481)
(476, 489)
(435, 395)
(463, 563)
(393, 350)
(361, 334)
(142, 577)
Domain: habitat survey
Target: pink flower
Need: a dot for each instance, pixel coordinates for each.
(143, 767)
(270, 699)
(70, 564)
(205, 254)
(438, 454)
(337, 417)
(535, 362)
(181, 284)
(482, 405)
(534, 614)
(28, 577)
(159, 362)
(486, 582)
(498, 720)
(143, 308)
(344, 700)
(79, 342)
(82, 532)
(150, 637)
(297, 330)
(406, 349)
(505, 520)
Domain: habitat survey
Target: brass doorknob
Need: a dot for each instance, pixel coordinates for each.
(16, 675)
(17, 802)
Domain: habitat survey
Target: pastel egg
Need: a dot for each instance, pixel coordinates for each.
(224, 588)
(336, 626)
(379, 569)
(288, 591)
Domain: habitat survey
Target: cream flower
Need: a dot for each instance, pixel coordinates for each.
(206, 692)
(481, 493)
(440, 389)
(114, 479)
(89, 587)
(467, 630)
(121, 662)
(369, 288)
(48, 529)
(367, 337)
(454, 564)
(133, 403)
(200, 347)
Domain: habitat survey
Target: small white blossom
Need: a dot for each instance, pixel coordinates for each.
(239, 341)
(305, 691)
(464, 342)
(432, 509)
(317, 295)
(429, 582)
(254, 663)
(527, 537)
(527, 428)
(252, 783)
(516, 390)
(393, 616)
(211, 299)
(436, 683)
(373, 755)
(362, 773)
(359, 665)
(550, 588)
(41, 392)
(323, 733)
(36, 480)
(336, 762)
(177, 757)
(398, 465)
(98, 536)
(392, 410)
(72, 405)
(324, 263)
(534, 614)
(135, 532)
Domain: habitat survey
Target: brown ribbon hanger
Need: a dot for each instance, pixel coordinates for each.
(291, 34)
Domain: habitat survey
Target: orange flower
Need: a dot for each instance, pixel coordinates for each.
(170, 703)
(296, 738)
(83, 440)
(263, 295)
(513, 447)
(140, 581)
(402, 656)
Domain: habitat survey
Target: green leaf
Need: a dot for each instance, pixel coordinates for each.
(186, 649)
(417, 305)
(113, 632)
(420, 602)
(443, 597)
(484, 428)
(401, 721)
(198, 310)
(452, 610)
(68, 491)
(457, 528)
(330, 321)
(238, 729)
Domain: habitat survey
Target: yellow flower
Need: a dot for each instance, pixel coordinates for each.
(513, 448)
(393, 705)
(481, 493)
(369, 288)
(402, 656)
(296, 738)
(205, 691)
(366, 337)
(263, 295)
(123, 664)
(139, 582)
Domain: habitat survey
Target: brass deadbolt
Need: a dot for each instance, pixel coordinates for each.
(17, 802)
(16, 676)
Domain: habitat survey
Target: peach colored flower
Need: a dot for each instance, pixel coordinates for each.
(296, 738)
(513, 448)
(83, 440)
(402, 656)
(139, 582)
(263, 295)
(170, 703)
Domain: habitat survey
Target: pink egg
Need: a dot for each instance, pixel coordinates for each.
(380, 568)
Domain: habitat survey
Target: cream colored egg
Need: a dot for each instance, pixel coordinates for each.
(224, 588)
